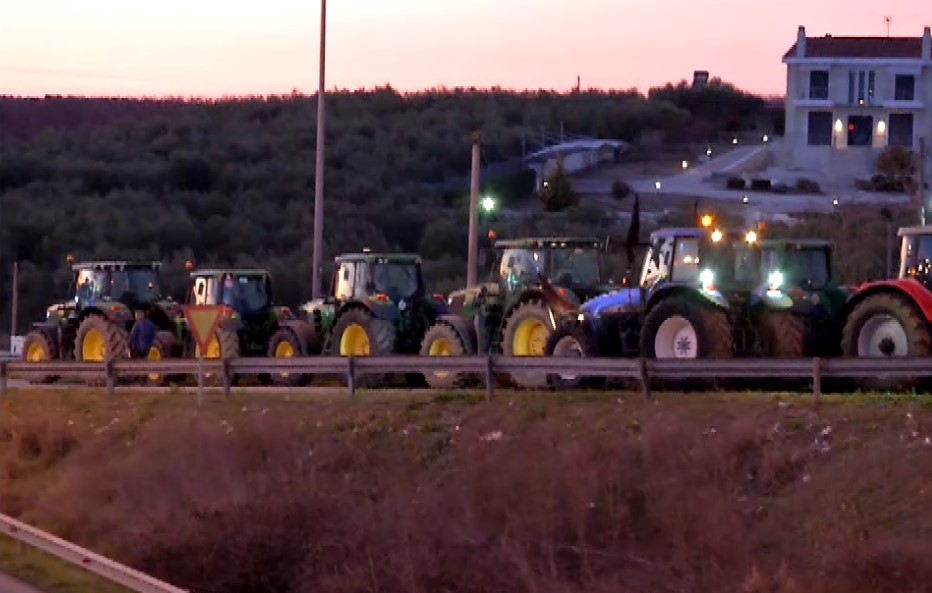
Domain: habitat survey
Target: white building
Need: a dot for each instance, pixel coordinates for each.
(847, 98)
(578, 156)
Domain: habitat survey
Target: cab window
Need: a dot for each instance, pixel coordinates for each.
(344, 281)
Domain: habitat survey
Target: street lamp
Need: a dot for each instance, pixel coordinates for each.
(657, 185)
(745, 200)
(488, 204)
(685, 165)
(317, 255)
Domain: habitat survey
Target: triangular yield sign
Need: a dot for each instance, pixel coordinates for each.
(202, 322)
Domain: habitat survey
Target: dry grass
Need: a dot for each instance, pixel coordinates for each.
(545, 493)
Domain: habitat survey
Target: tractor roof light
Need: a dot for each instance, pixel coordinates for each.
(716, 236)
(707, 220)
(751, 237)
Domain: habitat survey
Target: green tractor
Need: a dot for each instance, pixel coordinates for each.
(377, 306)
(250, 318)
(509, 314)
(93, 325)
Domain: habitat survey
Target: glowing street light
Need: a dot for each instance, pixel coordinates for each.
(657, 185)
(734, 140)
(766, 138)
(745, 200)
(685, 165)
(835, 202)
(488, 204)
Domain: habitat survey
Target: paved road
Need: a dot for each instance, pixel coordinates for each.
(10, 585)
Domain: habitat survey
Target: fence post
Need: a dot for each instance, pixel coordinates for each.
(645, 379)
(227, 378)
(351, 375)
(816, 380)
(111, 378)
(3, 376)
(489, 378)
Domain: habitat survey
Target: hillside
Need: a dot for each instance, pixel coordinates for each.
(553, 493)
(233, 181)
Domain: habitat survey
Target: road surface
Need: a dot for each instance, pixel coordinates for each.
(10, 585)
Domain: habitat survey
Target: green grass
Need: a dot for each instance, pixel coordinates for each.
(49, 574)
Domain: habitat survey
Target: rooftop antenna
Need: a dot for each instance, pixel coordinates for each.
(887, 21)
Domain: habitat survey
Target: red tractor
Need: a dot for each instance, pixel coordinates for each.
(894, 317)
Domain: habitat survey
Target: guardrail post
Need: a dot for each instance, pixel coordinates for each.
(816, 380)
(645, 379)
(351, 375)
(227, 378)
(489, 378)
(3, 376)
(111, 377)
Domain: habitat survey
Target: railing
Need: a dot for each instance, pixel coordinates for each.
(78, 556)
(484, 367)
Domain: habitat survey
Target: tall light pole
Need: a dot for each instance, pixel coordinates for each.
(472, 253)
(317, 255)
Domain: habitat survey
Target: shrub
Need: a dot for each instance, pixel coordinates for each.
(735, 183)
(807, 186)
(620, 190)
(760, 184)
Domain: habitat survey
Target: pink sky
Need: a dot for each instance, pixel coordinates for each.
(214, 48)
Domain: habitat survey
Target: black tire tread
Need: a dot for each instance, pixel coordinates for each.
(442, 329)
(529, 308)
(51, 350)
(291, 379)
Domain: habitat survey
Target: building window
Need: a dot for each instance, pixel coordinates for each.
(820, 128)
(900, 130)
(860, 130)
(861, 87)
(818, 84)
(904, 87)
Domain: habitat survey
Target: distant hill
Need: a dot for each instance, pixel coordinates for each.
(233, 181)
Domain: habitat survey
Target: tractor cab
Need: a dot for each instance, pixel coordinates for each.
(246, 292)
(797, 265)
(390, 279)
(134, 284)
(916, 254)
(572, 264)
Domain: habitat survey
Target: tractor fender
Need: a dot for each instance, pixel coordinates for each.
(706, 297)
(527, 295)
(907, 287)
(465, 329)
(305, 333)
(380, 311)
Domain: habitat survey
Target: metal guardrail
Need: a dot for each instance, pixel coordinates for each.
(73, 554)
(485, 368)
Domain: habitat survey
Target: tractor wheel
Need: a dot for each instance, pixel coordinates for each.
(442, 339)
(358, 333)
(678, 328)
(224, 345)
(99, 340)
(160, 349)
(285, 344)
(526, 332)
(886, 325)
(782, 334)
(572, 343)
(39, 347)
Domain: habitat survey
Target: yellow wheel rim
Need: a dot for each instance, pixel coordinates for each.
(354, 341)
(94, 347)
(154, 354)
(284, 350)
(36, 353)
(440, 347)
(530, 339)
(213, 349)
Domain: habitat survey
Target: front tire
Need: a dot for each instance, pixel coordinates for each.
(358, 333)
(99, 340)
(679, 328)
(526, 332)
(39, 347)
(886, 326)
(442, 339)
(782, 334)
(570, 342)
(285, 344)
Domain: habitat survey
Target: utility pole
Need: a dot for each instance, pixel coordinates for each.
(317, 256)
(922, 176)
(473, 214)
(15, 298)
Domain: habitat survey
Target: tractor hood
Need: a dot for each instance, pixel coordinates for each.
(619, 301)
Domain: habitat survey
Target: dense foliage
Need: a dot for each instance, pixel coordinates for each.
(233, 181)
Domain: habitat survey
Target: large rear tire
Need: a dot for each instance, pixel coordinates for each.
(99, 340)
(571, 342)
(526, 332)
(782, 334)
(285, 344)
(885, 326)
(358, 333)
(679, 328)
(39, 347)
(160, 349)
(442, 339)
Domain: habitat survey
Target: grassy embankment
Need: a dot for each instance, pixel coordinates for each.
(546, 492)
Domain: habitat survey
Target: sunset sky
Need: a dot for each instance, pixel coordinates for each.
(213, 48)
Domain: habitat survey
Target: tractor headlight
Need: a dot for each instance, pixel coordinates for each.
(707, 278)
(581, 317)
(775, 280)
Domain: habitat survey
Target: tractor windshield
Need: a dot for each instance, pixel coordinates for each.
(139, 286)
(916, 257)
(575, 267)
(245, 294)
(801, 268)
(396, 280)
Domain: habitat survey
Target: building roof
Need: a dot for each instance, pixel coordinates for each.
(860, 47)
(567, 148)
